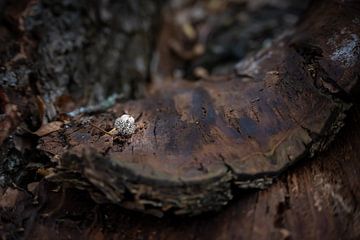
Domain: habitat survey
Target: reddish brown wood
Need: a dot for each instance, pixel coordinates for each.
(196, 140)
(196, 143)
(317, 199)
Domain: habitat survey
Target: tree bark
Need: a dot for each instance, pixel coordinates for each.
(317, 199)
(196, 142)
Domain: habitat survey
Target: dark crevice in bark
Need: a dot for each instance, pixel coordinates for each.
(322, 81)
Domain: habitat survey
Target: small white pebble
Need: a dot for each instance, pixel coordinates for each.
(125, 125)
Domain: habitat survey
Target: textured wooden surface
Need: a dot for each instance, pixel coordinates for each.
(317, 199)
(194, 141)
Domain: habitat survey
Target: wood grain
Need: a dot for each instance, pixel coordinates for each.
(317, 199)
(195, 141)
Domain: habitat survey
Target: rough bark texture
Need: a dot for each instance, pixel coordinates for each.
(317, 199)
(196, 142)
(49, 50)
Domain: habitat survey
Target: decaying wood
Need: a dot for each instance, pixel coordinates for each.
(196, 140)
(48, 52)
(197, 144)
(317, 199)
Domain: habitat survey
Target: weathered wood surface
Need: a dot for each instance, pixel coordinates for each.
(196, 142)
(313, 75)
(317, 199)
